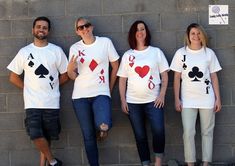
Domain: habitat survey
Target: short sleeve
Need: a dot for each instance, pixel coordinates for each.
(163, 65)
(17, 64)
(214, 64)
(113, 55)
(176, 62)
(62, 66)
(123, 71)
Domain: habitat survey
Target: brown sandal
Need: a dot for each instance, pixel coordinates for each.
(101, 135)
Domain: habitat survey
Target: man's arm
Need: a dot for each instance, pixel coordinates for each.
(63, 78)
(113, 75)
(16, 80)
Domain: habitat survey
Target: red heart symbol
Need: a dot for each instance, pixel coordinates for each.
(142, 71)
(131, 64)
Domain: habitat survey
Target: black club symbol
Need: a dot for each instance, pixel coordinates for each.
(207, 82)
(184, 66)
(195, 73)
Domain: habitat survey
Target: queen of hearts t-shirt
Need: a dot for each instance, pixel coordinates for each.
(142, 70)
(195, 67)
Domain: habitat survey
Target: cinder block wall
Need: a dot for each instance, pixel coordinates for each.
(167, 20)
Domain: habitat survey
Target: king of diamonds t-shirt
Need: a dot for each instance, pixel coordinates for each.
(93, 67)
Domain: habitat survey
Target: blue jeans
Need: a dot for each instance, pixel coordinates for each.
(138, 113)
(91, 113)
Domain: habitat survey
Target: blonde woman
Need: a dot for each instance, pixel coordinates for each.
(89, 61)
(195, 69)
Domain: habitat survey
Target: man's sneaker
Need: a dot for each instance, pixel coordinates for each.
(59, 163)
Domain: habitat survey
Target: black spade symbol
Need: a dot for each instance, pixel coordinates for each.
(30, 64)
(41, 71)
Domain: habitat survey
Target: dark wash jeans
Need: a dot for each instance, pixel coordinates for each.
(91, 113)
(138, 113)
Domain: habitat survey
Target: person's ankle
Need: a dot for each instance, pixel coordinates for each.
(53, 161)
(205, 164)
(190, 164)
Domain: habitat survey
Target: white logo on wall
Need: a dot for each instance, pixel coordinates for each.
(218, 14)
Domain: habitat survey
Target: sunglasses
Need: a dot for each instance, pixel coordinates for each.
(82, 27)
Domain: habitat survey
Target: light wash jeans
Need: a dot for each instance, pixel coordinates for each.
(207, 122)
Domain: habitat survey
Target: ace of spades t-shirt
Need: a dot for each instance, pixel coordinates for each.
(195, 67)
(142, 70)
(41, 67)
(93, 67)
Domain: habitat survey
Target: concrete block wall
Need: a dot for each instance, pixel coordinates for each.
(167, 20)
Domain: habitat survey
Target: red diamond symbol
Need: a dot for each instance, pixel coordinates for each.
(82, 60)
(93, 65)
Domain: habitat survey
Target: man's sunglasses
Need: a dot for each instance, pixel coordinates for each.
(81, 27)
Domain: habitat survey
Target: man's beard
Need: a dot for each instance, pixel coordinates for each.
(41, 37)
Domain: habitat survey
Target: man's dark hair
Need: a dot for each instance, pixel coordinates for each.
(42, 18)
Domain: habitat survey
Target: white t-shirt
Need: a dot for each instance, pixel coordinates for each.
(142, 70)
(41, 67)
(195, 67)
(93, 67)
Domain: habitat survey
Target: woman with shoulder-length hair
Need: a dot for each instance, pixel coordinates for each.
(89, 61)
(142, 85)
(195, 69)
